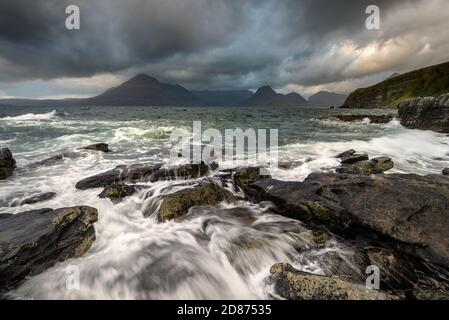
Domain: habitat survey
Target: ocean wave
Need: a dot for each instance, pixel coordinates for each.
(34, 116)
(134, 133)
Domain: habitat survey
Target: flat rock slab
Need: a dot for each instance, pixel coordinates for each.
(408, 208)
(33, 241)
(144, 173)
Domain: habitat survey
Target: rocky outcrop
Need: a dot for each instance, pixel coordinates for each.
(7, 163)
(446, 171)
(178, 204)
(33, 241)
(144, 173)
(366, 167)
(410, 209)
(426, 113)
(293, 284)
(360, 117)
(431, 81)
(117, 191)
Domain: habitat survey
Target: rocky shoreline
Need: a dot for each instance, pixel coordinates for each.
(402, 218)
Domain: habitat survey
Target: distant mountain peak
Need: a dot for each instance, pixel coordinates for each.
(265, 89)
(266, 96)
(142, 78)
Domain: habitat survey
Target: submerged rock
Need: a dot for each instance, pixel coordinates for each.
(385, 118)
(33, 241)
(7, 163)
(118, 191)
(293, 284)
(103, 147)
(40, 197)
(179, 203)
(366, 167)
(144, 173)
(426, 113)
(408, 208)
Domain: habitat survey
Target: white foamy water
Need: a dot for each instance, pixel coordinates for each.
(221, 252)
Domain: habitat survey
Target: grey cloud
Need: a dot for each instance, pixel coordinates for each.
(200, 43)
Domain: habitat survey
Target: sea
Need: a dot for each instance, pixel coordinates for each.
(218, 252)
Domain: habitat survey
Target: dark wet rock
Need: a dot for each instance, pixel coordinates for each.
(144, 173)
(396, 271)
(293, 284)
(33, 241)
(353, 158)
(5, 215)
(408, 208)
(367, 167)
(178, 204)
(446, 172)
(118, 191)
(182, 172)
(426, 113)
(245, 176)
(132, 173)
(346, 153)
(350, 264)
(52, 160)
(360, 117)
(432, 283)
(301, 201)
(103, 147)
(40, 197)
(7, 163)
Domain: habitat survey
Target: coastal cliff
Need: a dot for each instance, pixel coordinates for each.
(431, 81)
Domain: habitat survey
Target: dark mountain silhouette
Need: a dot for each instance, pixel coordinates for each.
(265, 96)
(326, 99)
(143, 90)
(222, 97)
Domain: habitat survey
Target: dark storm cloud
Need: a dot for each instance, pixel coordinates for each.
(205, 43)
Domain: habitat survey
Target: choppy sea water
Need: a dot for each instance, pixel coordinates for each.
(221, 252)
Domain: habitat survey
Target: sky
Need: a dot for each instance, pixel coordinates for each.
(292, 45)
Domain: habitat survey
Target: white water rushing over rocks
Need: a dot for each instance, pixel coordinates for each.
(221, 252)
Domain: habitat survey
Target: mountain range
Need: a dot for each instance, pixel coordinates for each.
(144, 90)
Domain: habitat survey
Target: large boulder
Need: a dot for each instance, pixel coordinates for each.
(178, 204)
(408, 208)
(7, 163)
(144, 173)
(293, 284)
(426, 113)
(33, 241)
